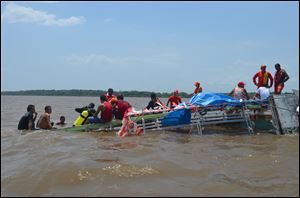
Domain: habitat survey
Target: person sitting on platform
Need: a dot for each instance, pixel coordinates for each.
(155, 103)
(174, 100)
(106, 112)
(240, 92)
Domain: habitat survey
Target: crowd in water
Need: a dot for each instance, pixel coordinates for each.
(112, 106)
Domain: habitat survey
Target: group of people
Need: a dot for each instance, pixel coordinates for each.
(264, 81)
(116, 107)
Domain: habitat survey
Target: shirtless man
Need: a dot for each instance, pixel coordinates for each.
(44, 120)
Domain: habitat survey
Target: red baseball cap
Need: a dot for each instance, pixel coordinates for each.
(241, 84)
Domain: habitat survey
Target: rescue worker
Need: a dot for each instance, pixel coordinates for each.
(263, 78)
(120, 107)
(106, 112)
(85, 112)
(198, 89)
(280, 78)
(110, 95)
(174, 100)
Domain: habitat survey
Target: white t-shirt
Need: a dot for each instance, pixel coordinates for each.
(263, 92)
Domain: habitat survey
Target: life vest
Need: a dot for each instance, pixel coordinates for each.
(81, 118)
(263, 79)
(197, 90)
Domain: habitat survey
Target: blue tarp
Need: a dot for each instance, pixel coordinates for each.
(177, 117)
(214, 99)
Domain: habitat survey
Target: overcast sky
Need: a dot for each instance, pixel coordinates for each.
(146, 46)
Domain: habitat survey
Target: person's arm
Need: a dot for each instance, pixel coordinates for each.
(231, 93)
(30, 124)
(254, 79)
(246, 94)
(98, 111)
(168, 101)
(179, 99)
(286, 76)
(149, 105)
(49, 124)
(271, 79)
(35, 115)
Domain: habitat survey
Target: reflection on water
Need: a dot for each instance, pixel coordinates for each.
(51, 163)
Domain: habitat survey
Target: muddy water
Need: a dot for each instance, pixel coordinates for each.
(51, 163)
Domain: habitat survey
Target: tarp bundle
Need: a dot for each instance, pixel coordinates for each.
(213, 99)
(177, 117)
(182, 115)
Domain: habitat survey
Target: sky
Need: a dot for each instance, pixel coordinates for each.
(146, 46)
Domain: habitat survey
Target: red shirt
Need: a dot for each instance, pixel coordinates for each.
(122, 106)
(174, 99)
(107, 115)
(263, 79)
(108, 97)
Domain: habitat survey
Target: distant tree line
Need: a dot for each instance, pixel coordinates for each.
(80, 92)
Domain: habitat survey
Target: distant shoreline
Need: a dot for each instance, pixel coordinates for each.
(86, 93)
(93, 93)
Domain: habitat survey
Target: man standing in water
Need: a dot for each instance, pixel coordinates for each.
(44, 120)
(280, 78)
(27, 121)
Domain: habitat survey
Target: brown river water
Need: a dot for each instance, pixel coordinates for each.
(162, 163)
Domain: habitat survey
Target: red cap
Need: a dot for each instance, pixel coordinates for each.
(176, 91)
(241, 84)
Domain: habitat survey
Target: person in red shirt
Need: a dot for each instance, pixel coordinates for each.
(280, 78)
(110, 95)
(263, 78)
(120, 107)
(106, 112)
(198, 89)
(174, 100)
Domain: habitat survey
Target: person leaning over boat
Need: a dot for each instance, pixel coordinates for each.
(155, 103)
(262, 93)
(27, 120)
(174, 100)
(106, 112)
(120, 107)
(44, 119)
(239, 92)
(110, 95)
(263, 78)
(198, 89)
(89, 107)
(85, 112)
(279, 79)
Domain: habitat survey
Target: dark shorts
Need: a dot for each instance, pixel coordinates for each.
(95, 120)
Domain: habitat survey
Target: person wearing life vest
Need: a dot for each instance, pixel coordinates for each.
(174, 100)
(106, 112)
(198, 89)
(81, 119)
(279, 79)
(89, 107)
(239, 92)
(155, 103)
(263, 78)
(110, 95)
(120, 107)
